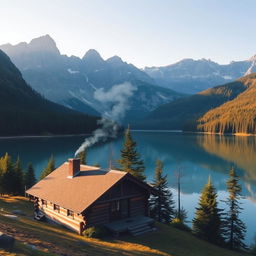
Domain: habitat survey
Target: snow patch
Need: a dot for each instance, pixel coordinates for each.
(226, 77)
(86, 101)
(162, 96)
(72, 71)
(67, 105)
(80, 98)
(97, 70)
(73, 94)
(93, 87)
(250, 70)
(86, 77)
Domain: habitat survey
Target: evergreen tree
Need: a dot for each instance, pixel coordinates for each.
(234, 228)
(207, 223)
(1, 176)
(181, 216)
(49, 168)
(162, 205)
(82, 155)
(7, 175)
(30, 178)
(18, 178)
(2, 171)
(130, 159)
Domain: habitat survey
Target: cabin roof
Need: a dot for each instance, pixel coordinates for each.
(78, 193)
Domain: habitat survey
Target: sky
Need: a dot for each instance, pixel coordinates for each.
(142, 32)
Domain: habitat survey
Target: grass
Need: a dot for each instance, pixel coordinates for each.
(56, 240)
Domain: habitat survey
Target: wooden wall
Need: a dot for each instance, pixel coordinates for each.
(99, 212)
(61, 217)
(138, 206)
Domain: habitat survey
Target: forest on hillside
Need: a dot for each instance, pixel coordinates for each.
(235, 116)
(24, 112)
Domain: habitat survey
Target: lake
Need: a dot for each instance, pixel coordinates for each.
(197, 156)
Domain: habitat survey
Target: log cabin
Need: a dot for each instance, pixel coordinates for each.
(80, 196)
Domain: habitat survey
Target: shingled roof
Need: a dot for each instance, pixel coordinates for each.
(78, 193)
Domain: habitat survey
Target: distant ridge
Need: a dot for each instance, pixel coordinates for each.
(192, 76)
(72, 81)
(229, 108)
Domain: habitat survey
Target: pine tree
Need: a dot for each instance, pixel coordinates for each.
(234, 228)
(162, 205)
(49, 168)
(207, 223)
(30, 178)
(82, 155)
(7, 175)
(2, 171)
(18, 178)
(130, 159)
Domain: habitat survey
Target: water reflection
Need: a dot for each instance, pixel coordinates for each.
(236, 149)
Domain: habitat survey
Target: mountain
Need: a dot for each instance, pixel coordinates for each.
(192, 76)
(72, 81)
(183, 114)
(235, 116)
(24, 112)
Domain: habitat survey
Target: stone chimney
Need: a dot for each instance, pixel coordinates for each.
(74, 167)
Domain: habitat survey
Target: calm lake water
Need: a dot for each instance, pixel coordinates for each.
(197, 156)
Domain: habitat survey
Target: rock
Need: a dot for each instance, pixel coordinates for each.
(6, 241)
(32, 246)
(18, 212)
(10, 216)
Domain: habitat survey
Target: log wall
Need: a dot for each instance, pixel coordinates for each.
(99, 212)
(61, 216)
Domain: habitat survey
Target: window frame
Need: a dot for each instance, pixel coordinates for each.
(56, 208)
(44, 203)
(70, 214)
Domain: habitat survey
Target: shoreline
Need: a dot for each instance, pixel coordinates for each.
(204, 133)
(43, 136)
(239, 134)
(177, 131)
(135, 130)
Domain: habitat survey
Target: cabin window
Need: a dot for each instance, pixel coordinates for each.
(70, 214)
(56, 208)
(119, 209)
(115, 206)
(44, 203)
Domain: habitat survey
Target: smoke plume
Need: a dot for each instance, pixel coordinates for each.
(117, 101)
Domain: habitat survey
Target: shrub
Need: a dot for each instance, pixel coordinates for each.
(182, 215)
(177, 223)
(95, 232)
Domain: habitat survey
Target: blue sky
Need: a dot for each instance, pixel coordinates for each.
(142, 32)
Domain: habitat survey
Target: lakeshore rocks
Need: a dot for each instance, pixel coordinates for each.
(6, 241)
(18, 212)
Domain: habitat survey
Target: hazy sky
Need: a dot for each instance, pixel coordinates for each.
(142, 32)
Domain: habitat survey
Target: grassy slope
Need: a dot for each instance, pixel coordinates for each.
(55, 240)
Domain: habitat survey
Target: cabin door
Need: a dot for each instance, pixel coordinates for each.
(119, 209)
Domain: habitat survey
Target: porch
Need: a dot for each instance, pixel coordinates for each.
(135, 226)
